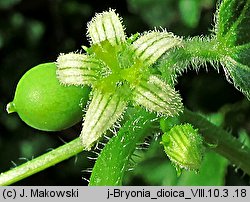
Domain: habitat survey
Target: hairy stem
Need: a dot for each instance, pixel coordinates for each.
(193, 52)
(114, 158)
(223, 142)
(42, 162)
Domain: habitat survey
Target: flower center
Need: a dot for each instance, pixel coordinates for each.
(123, 69)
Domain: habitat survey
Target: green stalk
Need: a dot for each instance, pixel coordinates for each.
(112, 162)
(42, 162)
(192, 53)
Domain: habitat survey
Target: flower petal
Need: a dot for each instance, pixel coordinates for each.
(106, 26)
(77, 69)
(152, 45)
(156, 95)
(104, 110)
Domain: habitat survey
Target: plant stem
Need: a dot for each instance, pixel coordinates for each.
(193, 52)
(42, 162)
(112, 162)
(223, 142)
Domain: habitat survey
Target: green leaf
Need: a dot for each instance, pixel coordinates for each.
(244, 138)
(233, 20)
(233, 35)
(8, 4)
(237, 73)
(155, 13)
(155, 172)
(190, 11)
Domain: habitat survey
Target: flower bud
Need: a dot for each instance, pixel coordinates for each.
(184, 147)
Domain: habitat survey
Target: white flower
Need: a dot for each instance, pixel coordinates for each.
(118, 72)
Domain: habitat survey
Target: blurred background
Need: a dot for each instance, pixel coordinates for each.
(34, 32)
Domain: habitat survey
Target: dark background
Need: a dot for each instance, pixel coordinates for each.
(34, 32)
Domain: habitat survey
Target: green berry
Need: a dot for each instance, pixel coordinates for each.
(43, 103)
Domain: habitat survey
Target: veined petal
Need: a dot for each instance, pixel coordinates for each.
(104, 110)
(152, 45)
(156, 95)
(77, 69)
(106, 26)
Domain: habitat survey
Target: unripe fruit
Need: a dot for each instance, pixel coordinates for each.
(43, 103)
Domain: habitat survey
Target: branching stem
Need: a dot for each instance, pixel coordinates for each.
(42, 162)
